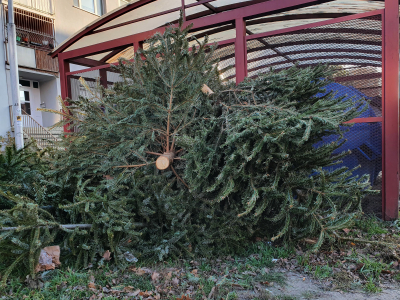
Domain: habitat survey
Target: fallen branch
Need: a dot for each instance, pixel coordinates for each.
(134, 166)
(69, 226)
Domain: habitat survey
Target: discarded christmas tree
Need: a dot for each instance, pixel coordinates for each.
(125, 167)
(264, 144)
(160, 168)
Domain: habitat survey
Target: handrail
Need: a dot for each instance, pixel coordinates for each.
(34, 130)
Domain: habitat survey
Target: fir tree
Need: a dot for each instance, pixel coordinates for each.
(110, 162)
(160, 168)
(264, 146)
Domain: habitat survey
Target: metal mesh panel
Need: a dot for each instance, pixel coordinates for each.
(77, 89)
(354, 49)
(92, 78)
(364, 140)
(226, 66)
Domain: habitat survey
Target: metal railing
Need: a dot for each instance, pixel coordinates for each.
(32, 39)
(33, 130)
(45, 6)
(33, 30)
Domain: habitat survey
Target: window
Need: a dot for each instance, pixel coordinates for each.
(93, 6)
(25, 101)
(25, 83)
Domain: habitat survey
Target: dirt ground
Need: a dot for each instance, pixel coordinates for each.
(302, 287)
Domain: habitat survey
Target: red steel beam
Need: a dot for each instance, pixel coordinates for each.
(86, 62)
(220, 18)
(316, 24)
(64, 83)
(390, 143)
(103, 78)
(240, 50)
(366, 120)
(104, 20)
(291, 17)
(112, 54)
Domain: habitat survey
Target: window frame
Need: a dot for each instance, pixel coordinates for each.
(98, 11)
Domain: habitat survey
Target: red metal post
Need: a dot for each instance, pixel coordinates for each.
(183, 11)
(138, 45)
(391, 110)
(103, 77)
(64, 84)
(240, 50)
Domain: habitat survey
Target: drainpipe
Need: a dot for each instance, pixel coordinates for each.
(14, 78)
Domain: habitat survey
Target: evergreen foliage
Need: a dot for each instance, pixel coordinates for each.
(33, 230)
(243, 162)
(22, 172)
(264, 144)
(110, 168)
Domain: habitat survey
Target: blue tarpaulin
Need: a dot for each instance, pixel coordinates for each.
(363, 139)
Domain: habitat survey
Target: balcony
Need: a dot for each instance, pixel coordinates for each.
(35, 38)
(44, 6)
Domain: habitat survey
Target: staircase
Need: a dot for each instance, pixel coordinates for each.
(33, 130)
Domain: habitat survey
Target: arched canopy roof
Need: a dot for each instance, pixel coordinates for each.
(212, 17)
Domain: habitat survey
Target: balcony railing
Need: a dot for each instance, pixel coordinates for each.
(45, 6)
(34, 30)
(32, 39)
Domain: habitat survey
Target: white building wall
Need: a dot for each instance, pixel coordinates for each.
(68, 20)
(49, 91)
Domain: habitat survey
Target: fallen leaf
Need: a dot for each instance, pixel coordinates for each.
(49, 259)
(107, 255)
(129, 289)
(352, 244)
(169, 276)
(184, 297)
(91, 285)
(155, 276)
(138, 271)
(134, 294)
(93, 297)
(194, 272)
(346, 230)
(311, 241)
(386, 272)
(145, 294)
(175, 281)
(359, 266)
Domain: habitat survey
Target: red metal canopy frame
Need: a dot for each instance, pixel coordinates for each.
(235, 18)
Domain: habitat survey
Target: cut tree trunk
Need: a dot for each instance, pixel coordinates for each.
(165, 160)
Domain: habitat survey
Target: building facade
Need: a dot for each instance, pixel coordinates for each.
(41, 26)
